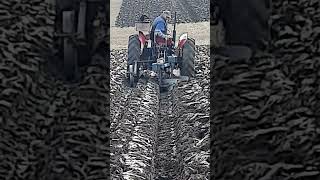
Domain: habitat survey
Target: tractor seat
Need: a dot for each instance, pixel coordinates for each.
(162, 42)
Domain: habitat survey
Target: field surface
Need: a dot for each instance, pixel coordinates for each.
(158, 135)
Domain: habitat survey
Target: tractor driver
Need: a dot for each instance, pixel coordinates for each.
(159, 28)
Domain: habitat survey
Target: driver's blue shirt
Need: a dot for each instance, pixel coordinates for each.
(160, 25)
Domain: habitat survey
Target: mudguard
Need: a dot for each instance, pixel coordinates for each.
(182, 40)
(142, 39)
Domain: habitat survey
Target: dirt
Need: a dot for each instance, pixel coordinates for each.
(161, 124)
(162, 148)
(187, 10)
(50, 129)
(115, 8)
(265, 112)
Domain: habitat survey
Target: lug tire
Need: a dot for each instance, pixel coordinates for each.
(188, 56)
(133, 56)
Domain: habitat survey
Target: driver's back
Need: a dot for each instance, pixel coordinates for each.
(158, 24)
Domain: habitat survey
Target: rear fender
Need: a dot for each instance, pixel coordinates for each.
(182, 40)
(142, 39)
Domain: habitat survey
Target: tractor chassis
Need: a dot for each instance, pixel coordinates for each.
(166, 81)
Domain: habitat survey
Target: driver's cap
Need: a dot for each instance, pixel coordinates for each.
(167, 14)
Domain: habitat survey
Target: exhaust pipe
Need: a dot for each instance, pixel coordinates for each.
(174, 28)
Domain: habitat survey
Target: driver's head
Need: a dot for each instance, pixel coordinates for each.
(166, 15)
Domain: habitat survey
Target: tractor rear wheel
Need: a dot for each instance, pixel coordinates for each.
(133, 56)
(188, 56)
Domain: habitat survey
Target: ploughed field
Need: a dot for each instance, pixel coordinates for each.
(49, 129)
(265, 113)
(187, 10)
(160, 135)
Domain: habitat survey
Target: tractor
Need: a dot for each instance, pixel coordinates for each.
(168, 62)
(80, 31)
